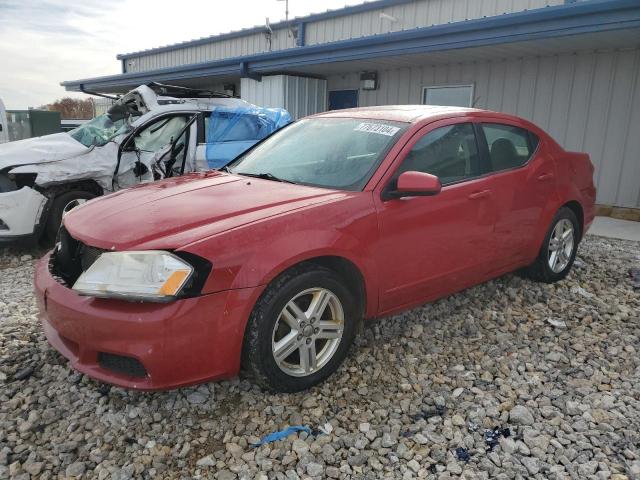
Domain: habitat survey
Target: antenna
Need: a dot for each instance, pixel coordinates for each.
(290, 30)
(268, 33)
(286, 9)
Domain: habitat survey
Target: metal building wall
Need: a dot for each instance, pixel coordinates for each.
(421, 13)
(305, 96)
(301, 96)
(216, 50)
(587, 101)
(267, 93)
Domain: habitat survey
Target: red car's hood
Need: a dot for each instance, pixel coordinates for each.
(175, 212)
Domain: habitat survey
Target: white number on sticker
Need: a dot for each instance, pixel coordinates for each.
(379, 128)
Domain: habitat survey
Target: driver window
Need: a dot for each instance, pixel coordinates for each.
(159, 134)
(450, 153)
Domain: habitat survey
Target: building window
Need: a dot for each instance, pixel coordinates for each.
(449, 95)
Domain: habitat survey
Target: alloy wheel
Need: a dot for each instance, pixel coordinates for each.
(561, 246)
(307, 332)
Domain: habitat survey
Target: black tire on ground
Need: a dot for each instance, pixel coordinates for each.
(257, 356)
(58, 205)
(540, 270)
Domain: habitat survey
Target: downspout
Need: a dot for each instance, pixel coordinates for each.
(300, 37)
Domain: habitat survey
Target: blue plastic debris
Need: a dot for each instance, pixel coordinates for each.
(282, 434)
(232, 131)
(462, 454)
(492, 437)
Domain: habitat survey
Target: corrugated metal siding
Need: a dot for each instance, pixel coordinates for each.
(421, 13)
(305, 96)
(301, 96)
(588, 102)
(234, 47)
(267, 93)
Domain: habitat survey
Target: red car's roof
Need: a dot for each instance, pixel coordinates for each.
(400, 113)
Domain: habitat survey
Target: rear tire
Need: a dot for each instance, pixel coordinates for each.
(558, 249)
(291, 346)
(60, 203)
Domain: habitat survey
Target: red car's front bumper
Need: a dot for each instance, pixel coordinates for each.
(146, 346)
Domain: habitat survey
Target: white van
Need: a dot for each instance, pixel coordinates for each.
(4, 128)
(154, 131)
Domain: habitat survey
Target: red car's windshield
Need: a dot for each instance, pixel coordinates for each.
(339, 153)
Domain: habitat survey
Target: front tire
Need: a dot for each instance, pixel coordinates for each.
(60, 205)
(300, 329)
(558, 250)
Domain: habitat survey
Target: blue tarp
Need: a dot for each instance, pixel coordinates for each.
(231, 131)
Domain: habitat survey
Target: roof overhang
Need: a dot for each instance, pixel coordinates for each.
(593, 18)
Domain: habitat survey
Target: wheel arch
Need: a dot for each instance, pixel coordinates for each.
(90, 186)
(345, 267)
(545, 222)
(577, 209)
(350, 273)
(52, 192)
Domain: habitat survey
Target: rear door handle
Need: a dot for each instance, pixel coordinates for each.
(545, 176)
(481, 194)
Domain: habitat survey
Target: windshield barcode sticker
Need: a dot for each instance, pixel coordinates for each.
(378, 128)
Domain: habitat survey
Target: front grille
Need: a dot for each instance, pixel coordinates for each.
(121, 364)
(71, 257)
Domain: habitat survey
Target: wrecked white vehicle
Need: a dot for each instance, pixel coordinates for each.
(152, 132)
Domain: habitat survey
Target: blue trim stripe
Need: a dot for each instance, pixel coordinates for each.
(550, 22)
(364, 7)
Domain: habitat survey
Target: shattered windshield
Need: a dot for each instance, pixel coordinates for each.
(101, 130)
(337, 153)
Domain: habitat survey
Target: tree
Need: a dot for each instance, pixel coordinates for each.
(72, 108)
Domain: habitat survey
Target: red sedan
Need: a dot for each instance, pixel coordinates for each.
(273, 262)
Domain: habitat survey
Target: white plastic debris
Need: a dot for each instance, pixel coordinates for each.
(578, 263)
(581, 291)
(556, 322)
(327, 428)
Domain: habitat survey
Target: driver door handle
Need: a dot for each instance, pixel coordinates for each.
(480, 194)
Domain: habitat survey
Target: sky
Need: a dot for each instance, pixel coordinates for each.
(45, 42)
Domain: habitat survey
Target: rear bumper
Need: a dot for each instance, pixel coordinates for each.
(589, 207)
(180, 343)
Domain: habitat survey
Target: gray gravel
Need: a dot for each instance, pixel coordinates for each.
(556, 364)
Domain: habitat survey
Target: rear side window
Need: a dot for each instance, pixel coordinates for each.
(231, 127)
(509, 146)
(450, 153)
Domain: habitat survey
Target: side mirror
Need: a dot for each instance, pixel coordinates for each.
(415, 184)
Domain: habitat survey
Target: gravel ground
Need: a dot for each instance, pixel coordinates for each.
(554, 367)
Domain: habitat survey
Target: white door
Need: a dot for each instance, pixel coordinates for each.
(164, 147)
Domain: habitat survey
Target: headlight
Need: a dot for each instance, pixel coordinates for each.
(152, 275)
